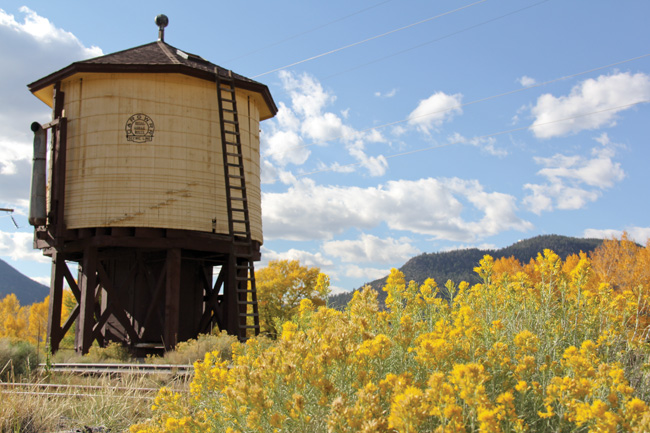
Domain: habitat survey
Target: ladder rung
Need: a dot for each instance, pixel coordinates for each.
(232, 122)
(227, 89)
(242, 269)
(231, 132)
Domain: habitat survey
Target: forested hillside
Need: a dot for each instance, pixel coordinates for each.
(459, 265)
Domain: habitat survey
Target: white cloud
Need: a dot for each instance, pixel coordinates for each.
(590, 105)
(487, 145)
(308, 98)
(432, 112)
(574, 181)
(429, 206)
(367, 273)
(19, 246)
(526, 81)
(388, 94)
(637, 234)
(42, 280)
(482, 247)
(31, 49)
(286, 147)
(336, 290)
(304, 257)
(285, 139)
(370, 248)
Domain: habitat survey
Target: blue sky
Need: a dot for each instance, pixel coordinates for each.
(404, 127)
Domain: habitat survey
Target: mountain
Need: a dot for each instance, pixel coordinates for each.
(27, 290)
(458, 265)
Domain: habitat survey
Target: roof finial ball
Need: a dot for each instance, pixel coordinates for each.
(161, 22)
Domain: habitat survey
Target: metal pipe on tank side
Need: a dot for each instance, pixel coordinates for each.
(37, 211)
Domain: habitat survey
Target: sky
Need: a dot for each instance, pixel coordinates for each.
(404, 127)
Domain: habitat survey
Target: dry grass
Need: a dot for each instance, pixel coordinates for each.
(114, 403)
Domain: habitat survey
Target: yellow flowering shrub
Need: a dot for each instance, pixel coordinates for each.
(549, 346)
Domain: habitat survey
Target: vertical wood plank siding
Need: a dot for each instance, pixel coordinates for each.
(175, 180)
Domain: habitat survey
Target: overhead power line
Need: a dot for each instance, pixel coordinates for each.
(309, 31)
(370, 39)
(482, 137)
(466, 29)
(456, 107)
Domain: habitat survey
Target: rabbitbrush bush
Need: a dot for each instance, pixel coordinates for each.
(546, 347)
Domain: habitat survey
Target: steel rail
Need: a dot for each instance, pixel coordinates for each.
(98, 369)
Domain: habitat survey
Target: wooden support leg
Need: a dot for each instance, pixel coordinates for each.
(230, 302)
(88, 286)
(172, 297)
(54, 332)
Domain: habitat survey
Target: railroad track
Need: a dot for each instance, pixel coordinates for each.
(64, 390)
(100, 369)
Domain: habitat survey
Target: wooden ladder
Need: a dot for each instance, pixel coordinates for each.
(239, 226)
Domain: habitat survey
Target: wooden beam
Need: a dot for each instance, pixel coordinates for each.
(172, 297)
(88, 286)
(54, 332)
(114, 304)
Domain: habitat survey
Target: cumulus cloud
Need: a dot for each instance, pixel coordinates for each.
(486, 144)
(305, 258)
(433, 207)
(305, 122)
(32, 47)
(370, 248)
(18, 246)
(286, 147)
(367, 273)
(637, 234)
(526, 81)
(432, 112)
(592, 104)
(572, 181)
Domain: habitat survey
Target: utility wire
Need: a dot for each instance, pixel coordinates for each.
(495, 134)
(437, 39)
(309, 31)
(487, 98)
(369, 39)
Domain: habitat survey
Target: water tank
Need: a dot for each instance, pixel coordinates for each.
(143, 140)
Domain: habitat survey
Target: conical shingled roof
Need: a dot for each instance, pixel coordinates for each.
(155, 57)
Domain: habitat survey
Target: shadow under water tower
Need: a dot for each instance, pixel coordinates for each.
(150, 183)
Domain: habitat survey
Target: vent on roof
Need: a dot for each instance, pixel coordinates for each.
(161, 21)
(182, 54)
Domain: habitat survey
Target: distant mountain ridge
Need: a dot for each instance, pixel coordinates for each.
(458, 265)
(26, 290)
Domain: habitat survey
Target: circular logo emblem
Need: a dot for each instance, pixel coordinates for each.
(139, 128)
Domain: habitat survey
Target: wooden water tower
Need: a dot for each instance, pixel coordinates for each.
(153, 182)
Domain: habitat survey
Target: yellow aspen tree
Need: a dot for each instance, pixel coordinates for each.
(37, 328)
(10, 316)
(280, 288)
